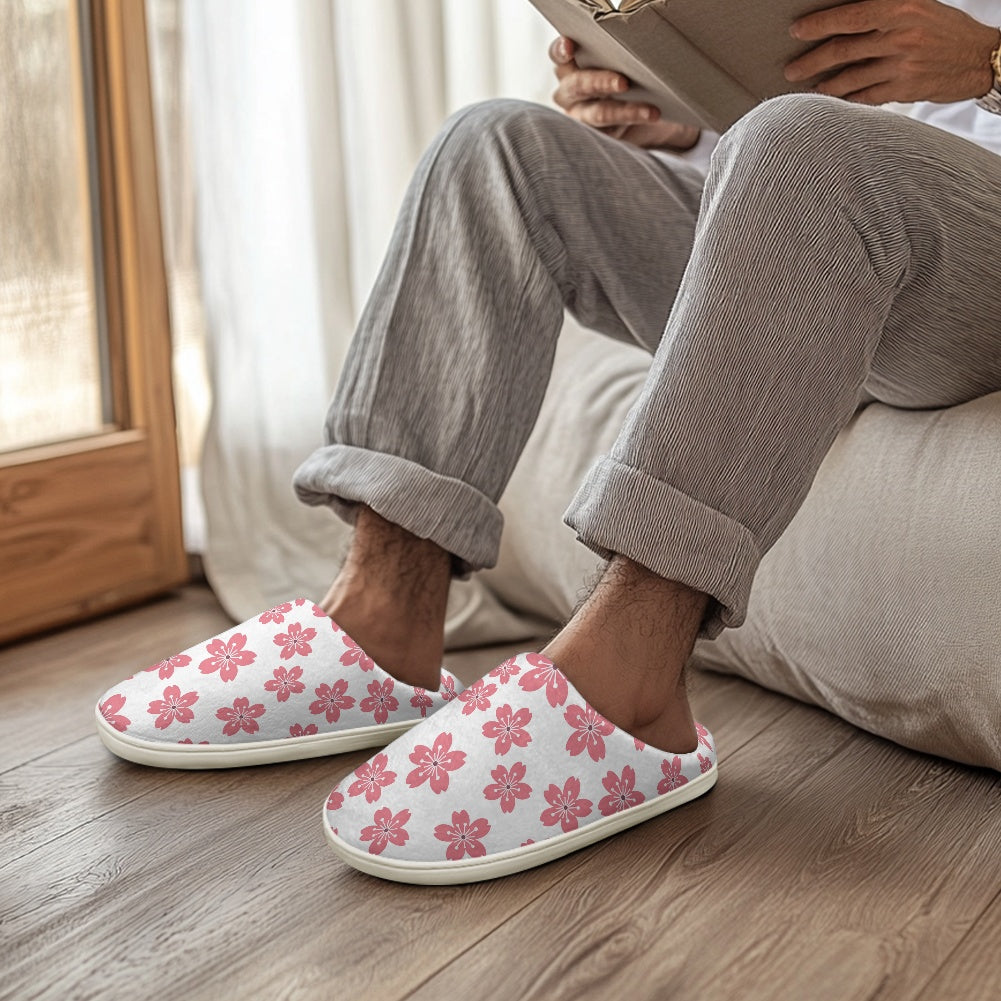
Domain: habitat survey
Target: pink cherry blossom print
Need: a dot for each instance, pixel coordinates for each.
(167, 666)
(188, 740)
(545, 675)
(276, 614)
(447, 690)
(335, 800)
(355, 655)
(110, 709)
(463, 836)
(298, 730)
(705, 764)
(565, 805)
(508, 786)
(506, 671)
(227, 658)
(704, 739)
(371, 778)
(590, 729)
(317, 611)
(421, 700)
(295, 643)
(476, 696)
(331, 700)
(386, 829)
(434, 763)
(240, 716)
(173, 706)
(285, 683)
(380, 701)
(508, 729)
(638, 744)
(673, 778)
(622, 792)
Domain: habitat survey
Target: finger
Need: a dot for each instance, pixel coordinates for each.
(657, 135)
(856, 79)
(565, 69)
(616, 131)
(880, 94)
(604, 114)
(841, 51)
(848, 19)
(586, 85)
(561, 50)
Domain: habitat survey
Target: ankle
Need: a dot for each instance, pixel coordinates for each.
(625, 651)
(406, 646)
(390, 597)
(650, 705)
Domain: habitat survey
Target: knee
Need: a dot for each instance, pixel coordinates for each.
(502, 126)
(808, 134)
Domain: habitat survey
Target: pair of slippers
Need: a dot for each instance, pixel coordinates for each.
(511, 772)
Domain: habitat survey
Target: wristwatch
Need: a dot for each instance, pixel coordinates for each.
(991, 101)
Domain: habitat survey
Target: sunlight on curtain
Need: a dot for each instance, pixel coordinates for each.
(305, 119)
(192, 394)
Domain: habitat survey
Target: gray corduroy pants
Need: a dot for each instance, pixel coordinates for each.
(835, 255)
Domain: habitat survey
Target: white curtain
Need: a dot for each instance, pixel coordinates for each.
(307, 118)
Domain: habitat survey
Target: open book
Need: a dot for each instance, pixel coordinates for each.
(704, 62)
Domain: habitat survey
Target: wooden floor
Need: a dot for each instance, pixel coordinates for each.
(826, 864)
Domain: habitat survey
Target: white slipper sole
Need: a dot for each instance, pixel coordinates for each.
(474, 870)
(264, 752)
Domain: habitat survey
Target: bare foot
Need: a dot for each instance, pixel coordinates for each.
(390, 597)
(625, 650)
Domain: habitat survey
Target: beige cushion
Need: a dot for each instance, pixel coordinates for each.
(881, 602)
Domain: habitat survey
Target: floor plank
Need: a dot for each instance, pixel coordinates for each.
(973, 971)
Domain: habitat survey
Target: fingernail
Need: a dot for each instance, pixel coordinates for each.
(794, 30)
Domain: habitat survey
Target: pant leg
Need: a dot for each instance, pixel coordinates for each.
(514, 212)
(842, 254)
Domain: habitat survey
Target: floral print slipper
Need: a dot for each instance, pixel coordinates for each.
(287, 684)
(519, 770)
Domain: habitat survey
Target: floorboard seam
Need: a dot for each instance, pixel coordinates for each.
(170, 778)
(472, 945)
(731, 750)
(45, 754)
(948, 958)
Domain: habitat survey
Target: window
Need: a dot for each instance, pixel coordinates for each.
(89, 500)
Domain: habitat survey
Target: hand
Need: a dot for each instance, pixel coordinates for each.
(876, 51)
(588, 96)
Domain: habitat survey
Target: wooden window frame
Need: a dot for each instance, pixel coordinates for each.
(92, 524)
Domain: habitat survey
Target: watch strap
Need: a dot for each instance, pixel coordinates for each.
(991, 101)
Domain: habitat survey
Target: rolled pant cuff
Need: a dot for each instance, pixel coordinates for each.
(449, 512)
(623, 510)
